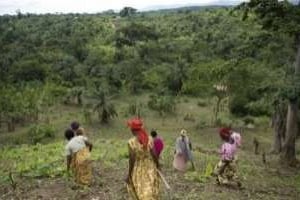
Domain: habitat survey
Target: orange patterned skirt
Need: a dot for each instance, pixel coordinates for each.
(82, 167)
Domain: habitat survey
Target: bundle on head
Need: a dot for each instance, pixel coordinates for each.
(136, 125)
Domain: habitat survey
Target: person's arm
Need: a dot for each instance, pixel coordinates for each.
(68, 153)
(155, 158)
(69, 160)
(89, 145)
(131, 164)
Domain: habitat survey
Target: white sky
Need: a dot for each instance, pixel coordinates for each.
(92, 6)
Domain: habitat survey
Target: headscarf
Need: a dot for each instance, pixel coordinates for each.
(183, 132)
(80, 131)
(75, 125)
(136, 125)
(225, 133)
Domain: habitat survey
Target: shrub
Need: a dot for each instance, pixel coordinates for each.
(248, 120)
(237, 105)
(224, 121)
(135, 109)
(202, 103)
(262, 121)
(87, 112)
(162, 104)
(258, 108)
(201, 124)
(189, 117)
(40, 132)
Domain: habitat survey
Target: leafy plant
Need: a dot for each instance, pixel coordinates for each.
(105, 109)
(162, 104)
(135, 109)
(40, 132)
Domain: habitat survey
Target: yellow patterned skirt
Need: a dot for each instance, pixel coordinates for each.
(82, 167)
(144, 184)
(226, 172)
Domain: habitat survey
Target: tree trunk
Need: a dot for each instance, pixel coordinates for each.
(217, 110)
(279, 126)
(288, 155)
(11, 125)
(277, 144)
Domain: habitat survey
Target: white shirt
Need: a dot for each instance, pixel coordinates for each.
(75, 144)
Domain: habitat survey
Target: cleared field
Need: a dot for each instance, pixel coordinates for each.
(38, 171)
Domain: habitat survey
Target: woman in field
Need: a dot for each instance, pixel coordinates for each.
(183, 152)
(226, 169)
(78, 157)
(143, 177)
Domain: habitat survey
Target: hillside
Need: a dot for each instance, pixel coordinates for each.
(198, 68)
(40, 176)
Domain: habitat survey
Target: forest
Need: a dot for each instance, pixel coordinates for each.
(198, 68)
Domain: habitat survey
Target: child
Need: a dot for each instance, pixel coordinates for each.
(158, 144)
(226, 168)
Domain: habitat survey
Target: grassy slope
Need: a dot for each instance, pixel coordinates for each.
(110, 166)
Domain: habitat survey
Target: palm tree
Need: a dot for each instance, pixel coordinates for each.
(105, 109)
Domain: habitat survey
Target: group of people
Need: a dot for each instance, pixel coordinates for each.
(78, 154)
(144, 175)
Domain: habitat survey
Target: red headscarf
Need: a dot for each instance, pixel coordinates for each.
(136, 125)
(225, 133)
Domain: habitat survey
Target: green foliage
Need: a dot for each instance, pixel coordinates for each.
(33, 161)
(186, 52)
(105, 109)
(134, 32)
(275, 15)
(74, 96)
(87, 113)
(29, 70)
(237, 105)
(162, 104)
(38, 133)
(127, 12)
(201, 177)
(201, 124)
(201, 103)
(135, 109)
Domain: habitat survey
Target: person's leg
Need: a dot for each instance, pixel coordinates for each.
(218, 171)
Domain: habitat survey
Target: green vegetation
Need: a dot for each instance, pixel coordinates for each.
(193, 68)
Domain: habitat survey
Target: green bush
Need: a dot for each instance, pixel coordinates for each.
(189, 117)
(262, 121)
(258, 108)
(135, 109)
(202, 103)
(237, 105)
(248, 120)
(201, 124)
(162, 104)
(38, 133)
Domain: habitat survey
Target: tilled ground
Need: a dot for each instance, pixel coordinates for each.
(109, 184)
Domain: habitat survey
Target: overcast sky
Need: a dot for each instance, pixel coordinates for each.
(93, 6)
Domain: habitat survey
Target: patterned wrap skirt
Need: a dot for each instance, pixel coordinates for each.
(82, 167)
(226, 172)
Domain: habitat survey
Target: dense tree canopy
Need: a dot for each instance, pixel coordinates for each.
(167, 52)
